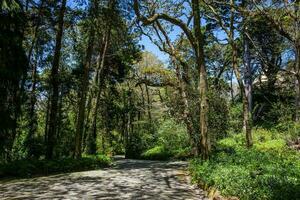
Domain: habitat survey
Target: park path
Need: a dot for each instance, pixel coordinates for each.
(127, 179)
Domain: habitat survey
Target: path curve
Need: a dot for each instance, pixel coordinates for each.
(128, 179)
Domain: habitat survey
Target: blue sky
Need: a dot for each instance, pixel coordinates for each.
(149, 46)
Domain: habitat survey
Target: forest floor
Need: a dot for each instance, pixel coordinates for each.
(126, 179)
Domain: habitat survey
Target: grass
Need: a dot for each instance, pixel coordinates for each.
(269, 170)
(29, 168)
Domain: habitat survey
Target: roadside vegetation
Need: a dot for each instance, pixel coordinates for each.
(33, 167)
(220, 87)
(270, 170)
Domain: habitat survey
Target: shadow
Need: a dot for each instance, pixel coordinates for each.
(127, 179)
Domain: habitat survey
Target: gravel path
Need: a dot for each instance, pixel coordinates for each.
(128, 179)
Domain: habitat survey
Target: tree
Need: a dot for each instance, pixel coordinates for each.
(84, 84)
(229, 28)
(196, 40)
(284, 17)
(55, 83)
(13, 69)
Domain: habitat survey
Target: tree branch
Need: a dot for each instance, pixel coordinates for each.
(150, 20)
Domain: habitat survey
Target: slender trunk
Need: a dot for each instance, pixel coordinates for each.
(99, 83)
(87, 124)
(297, 84)
(143, 98)
(55, 85)
(129, 127)
(47, 120)
(91, 148)
(93, 93)
(148, 104)
(83, 95)
(60, 113)
(186, 108)
(36, 30)
(204, 140)
(248, 74)
(231, 87)
(297, 58)
(246, 112)
(188, 120)
(32, 117)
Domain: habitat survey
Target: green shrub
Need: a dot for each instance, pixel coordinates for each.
(28, 168)
(156, 153)
(236, 117)
(172, 141)
(172, 136)
(218, 116)
(289, 129)
(267, 171)
(182, 154)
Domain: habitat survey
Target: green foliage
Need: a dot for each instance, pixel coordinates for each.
(172, 142)
(236, 117)
(13, 66)
(156, 153)
(290, 129)
(218, 118)
(134, 148)
(28, 168)
(267, 171)
(172, 136)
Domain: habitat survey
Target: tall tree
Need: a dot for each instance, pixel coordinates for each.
(196, 40)
(229, 27)
(285, 18)
(13, 69)
(53, 115)
(85, 82)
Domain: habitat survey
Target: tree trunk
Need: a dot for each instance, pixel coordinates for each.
(60, 113)
(186, 108)
(231, 87)
(297, 84)
(297, 58)
(204, 140)
(87, 124)
(55, 85)
(83, 95)
(32, 114)
(47, 120)
(248, 74)
(148, 104)
(246, 112)
(243, 89)
(99, 83)
(36, 30)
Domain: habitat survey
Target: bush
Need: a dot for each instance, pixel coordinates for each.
(267, 171)
(172, 136)
(218, 117)
(236, 117)
(290, 129)
(172, 142)
(156, 153)
(28, 168)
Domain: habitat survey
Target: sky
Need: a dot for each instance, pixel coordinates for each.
(149, 46)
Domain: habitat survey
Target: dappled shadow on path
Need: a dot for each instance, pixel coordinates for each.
(128, 179)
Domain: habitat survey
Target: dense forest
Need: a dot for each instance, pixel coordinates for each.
(78, 85)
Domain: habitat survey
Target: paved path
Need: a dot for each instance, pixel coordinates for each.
(128, 179)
